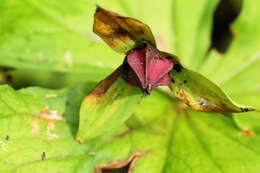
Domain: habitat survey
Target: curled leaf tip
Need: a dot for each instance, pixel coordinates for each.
(105, 84)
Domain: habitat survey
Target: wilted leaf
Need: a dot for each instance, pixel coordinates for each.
(201, 94)
(107, 107)
(121, 33)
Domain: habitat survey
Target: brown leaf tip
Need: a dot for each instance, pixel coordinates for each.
(102, 87)
(126, 165)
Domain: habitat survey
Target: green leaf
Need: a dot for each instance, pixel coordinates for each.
(237, 68)
(192, 28)
(166, 142)
(57, 38)
(107, 107)
(201, 94)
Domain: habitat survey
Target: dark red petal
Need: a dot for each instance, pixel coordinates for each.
(157, 65)
(136, 61)
(157, 69)
(131, 77)
(164, 81)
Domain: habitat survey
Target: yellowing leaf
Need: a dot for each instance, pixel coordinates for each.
(121, 33)
(107, 107)
(201, 94)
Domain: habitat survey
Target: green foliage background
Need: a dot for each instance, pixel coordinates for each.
(51, 44)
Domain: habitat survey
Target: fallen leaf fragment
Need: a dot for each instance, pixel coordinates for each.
(126, 164)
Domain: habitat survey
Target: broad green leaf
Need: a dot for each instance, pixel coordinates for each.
(122, 34)
(192, 23)
(201, 94)
(237, 69)
(49, 36)
(185, 142)
(107, 107)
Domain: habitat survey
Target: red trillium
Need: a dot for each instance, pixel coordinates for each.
(147, 68)
(144, 66)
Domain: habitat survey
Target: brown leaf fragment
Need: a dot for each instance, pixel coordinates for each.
(120, 165)
(121, 33)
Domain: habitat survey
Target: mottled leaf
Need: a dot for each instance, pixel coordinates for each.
(201, 94)
(121, 33)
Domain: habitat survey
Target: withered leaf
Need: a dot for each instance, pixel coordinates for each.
(122, 165)
(121, 33)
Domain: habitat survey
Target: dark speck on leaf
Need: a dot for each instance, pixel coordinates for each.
(7, 138)
(185, 81)
(244, 109)
(43, 155)
(172, 80)
(177, 68)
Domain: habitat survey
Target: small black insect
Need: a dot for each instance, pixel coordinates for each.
(43, 155)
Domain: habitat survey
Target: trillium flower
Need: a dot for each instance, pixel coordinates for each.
(144, 67)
